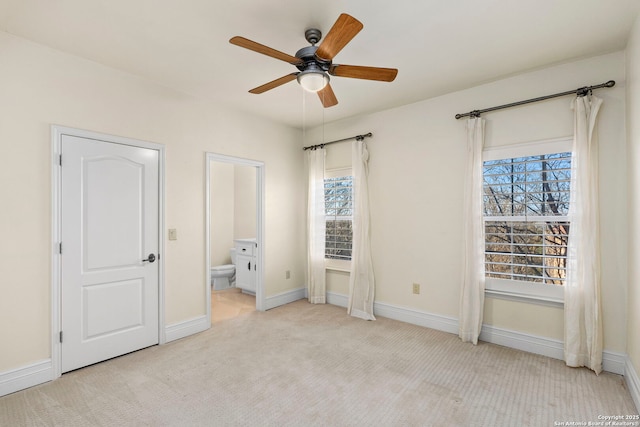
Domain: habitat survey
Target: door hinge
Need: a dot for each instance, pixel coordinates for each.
(60, 160)
(60, 248)
(60, 336)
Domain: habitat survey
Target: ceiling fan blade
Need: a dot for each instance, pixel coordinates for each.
(366, 73)
(273, 84)
(327, 97)
(345, 28)
(265, 50)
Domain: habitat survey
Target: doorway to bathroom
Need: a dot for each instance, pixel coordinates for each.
(234, 217)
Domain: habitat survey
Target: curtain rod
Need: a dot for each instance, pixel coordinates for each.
(358, 137)
(582, 91)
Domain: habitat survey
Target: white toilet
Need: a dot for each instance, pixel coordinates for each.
(222, 276)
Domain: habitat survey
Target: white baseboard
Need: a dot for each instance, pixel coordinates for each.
(25, 377)
(285, 298)
(340, 300)
(633, 382)
(614, 362)
(611, 361)
(403, 314)
(521, 341)
(415, 317)
(186, 328)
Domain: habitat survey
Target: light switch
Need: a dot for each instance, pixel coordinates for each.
(173, 234)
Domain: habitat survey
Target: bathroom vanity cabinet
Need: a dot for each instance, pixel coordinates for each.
(246, 270)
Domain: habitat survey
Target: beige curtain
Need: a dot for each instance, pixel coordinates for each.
(582, 309)
(316, 226)
(472, 292)
(361, 280)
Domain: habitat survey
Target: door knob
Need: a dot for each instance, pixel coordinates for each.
(151, 258)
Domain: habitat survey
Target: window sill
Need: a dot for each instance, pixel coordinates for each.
(530, 299)
(340, 265)
(531, 293)
(340, 269)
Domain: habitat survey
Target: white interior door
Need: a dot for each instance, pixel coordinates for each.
(110, 214)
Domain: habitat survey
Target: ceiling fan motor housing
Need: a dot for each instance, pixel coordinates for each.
(308, 55)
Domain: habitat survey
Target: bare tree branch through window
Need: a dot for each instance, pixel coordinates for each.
(338, 197)
(526, 202)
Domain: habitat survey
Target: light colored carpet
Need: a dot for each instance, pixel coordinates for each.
(303, 364)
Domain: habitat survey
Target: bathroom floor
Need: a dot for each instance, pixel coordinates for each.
(230, 303)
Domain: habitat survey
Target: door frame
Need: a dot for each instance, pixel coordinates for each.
(57, 132)
(260, 226)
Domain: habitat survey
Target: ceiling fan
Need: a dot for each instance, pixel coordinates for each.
(315, 62)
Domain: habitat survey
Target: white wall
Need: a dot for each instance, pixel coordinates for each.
(222, 200)
(40, 87)
(633, 166)
(244, 207)
(417, 165)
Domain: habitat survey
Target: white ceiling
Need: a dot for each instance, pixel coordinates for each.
(438, 46)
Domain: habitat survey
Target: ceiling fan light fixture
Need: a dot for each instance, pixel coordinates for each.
(313, 80)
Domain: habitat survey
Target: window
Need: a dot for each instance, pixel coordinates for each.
(338, 196)
(526, 203)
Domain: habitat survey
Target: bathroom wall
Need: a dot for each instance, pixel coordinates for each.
(233, 208)
(244, 206)
(222, 215)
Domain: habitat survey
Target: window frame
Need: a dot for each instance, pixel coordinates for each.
(332, 263)
(516, 290)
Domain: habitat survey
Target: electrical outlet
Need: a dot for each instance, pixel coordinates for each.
(287, 274)
(416, 288)
(173, 234)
